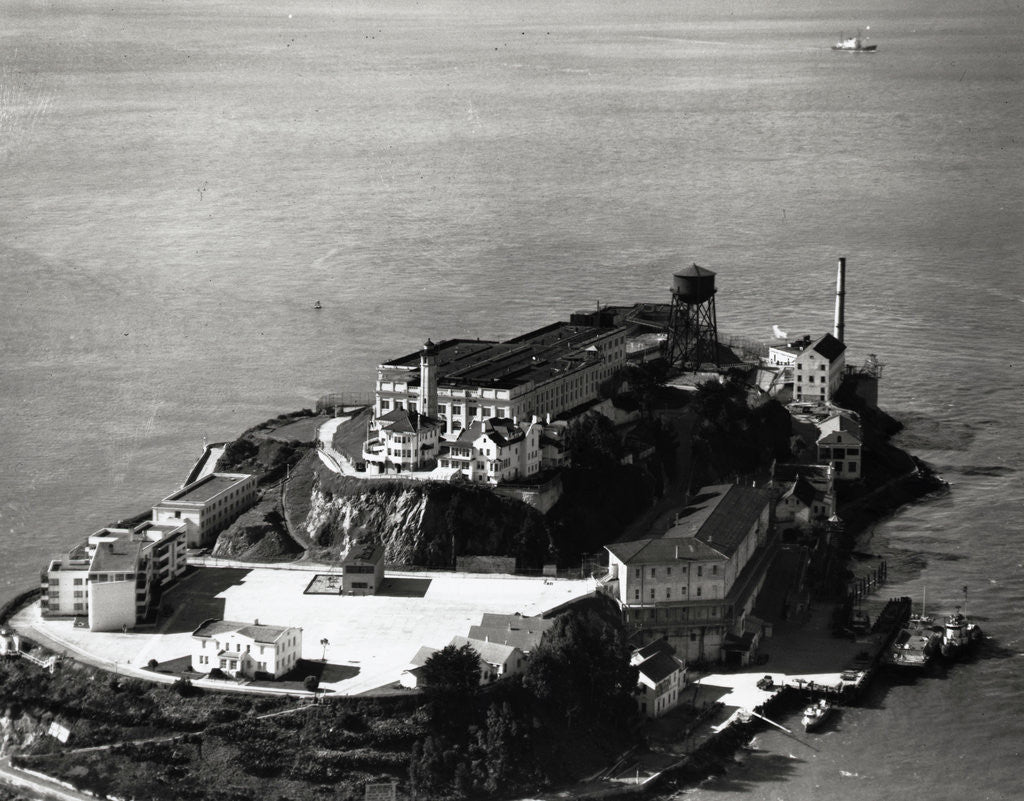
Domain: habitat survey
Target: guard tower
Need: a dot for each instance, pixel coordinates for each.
(693, 326)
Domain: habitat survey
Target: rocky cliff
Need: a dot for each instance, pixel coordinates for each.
(421, 523)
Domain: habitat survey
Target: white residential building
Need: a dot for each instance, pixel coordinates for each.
(245, 649)
(523, 632)
(800, 505)
(840, 445)
(113, 578)
(497, 661)
(661, 677)
(402, 440)
(495, 450)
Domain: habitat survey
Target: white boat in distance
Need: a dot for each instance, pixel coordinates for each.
(855, 44)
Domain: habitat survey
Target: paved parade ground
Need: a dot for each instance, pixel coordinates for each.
(370, 639)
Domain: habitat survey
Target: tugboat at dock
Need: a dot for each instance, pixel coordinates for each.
(959, 636)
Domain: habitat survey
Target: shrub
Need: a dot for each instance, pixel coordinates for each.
(152, 664)
(184, 688)
(311, 683)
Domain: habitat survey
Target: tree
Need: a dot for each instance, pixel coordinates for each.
(452, 681)
(453, 671)
(594, 442)
(580, 673)
(503, 745)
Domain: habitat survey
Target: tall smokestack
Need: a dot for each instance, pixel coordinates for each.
(840, 299)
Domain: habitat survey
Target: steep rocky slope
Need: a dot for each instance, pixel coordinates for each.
(421, 523)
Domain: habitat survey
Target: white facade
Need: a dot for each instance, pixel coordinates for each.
(363, 570)
(402, 440)
(139, 559)
(544, 372)
(660, 679)
(685, 583)
(495, 450)
(497, 661)
(112, 605)
(818, 370)
(244, 649)
(840, 446)
(209, 505)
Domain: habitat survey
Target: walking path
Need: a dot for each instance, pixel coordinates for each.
(39, 783)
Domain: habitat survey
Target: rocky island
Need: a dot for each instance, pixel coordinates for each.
(509, 572)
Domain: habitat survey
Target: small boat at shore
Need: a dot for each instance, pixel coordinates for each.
(816, 714)
(317, 305)
(855, 44)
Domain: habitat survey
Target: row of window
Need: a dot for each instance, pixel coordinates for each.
(715, 593)
(675, 613)
(837, 453)
(227, 647)
(682, 569)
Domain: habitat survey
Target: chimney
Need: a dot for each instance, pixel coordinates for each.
(840, 299)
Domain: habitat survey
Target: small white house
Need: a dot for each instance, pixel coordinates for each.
(245, 649)
(839, 444)
(412, 676)
(497, 661)
(660, 680)
(801, 505)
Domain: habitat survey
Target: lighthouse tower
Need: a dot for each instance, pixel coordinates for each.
(428, 379)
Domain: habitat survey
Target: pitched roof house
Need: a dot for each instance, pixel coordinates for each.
(661, 678)
(245, 649)
(819, 369)
(840, 446)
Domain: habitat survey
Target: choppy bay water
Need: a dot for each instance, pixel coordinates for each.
(179, 183)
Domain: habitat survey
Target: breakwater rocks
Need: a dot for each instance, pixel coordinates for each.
(917, 482)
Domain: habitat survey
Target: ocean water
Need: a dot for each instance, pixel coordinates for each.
(180, 182)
